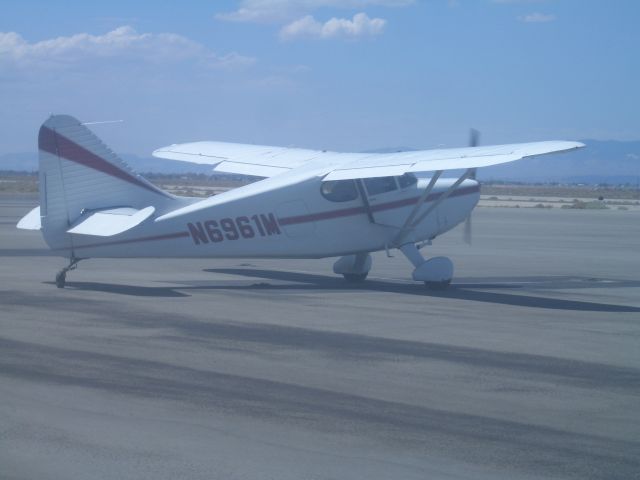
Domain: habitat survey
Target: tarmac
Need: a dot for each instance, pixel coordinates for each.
(527, 367)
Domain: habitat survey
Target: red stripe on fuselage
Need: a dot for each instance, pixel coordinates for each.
(347, 212)
(153, 238)
(52, 142)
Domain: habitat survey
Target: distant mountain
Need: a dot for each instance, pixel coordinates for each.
(390, 150)
(19, 162)
(29, 162)
(612, 162)
(159, 165)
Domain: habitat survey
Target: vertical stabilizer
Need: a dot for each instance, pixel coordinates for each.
(79, 173)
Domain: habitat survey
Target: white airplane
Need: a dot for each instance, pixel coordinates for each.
(310, 204)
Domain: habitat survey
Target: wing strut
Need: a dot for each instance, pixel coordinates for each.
(365, 200)
(410, 223)
(445, 195)
(423, 198)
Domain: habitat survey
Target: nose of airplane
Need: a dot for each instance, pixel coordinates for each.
(469, 189)
(460, 202)
(469, 183)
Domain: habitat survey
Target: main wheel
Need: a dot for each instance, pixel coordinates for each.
(354, 277)
(61, 279)
(438, 285)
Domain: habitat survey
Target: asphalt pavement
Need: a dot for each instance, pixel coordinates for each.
(527, 367)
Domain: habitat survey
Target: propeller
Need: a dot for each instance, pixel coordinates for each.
(474, 140)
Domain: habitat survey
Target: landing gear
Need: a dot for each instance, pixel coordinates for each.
(61, 276)
(437, 285)
(436, 273)
(354, 268)
(355, 277)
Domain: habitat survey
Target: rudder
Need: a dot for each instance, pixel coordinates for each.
(79, 173)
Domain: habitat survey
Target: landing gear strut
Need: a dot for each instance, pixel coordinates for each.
(436, 273)
(61, 276)
(354, 268)
(354, 277)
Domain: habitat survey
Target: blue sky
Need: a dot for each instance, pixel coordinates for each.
(345, 75)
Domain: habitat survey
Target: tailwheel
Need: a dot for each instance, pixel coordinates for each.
(355, 277)
(61, 277)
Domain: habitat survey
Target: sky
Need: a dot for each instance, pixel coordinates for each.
(348, 75)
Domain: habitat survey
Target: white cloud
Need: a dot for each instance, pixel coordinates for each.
(537, 18)
(121, 43)
(360, 26)
(285, 10)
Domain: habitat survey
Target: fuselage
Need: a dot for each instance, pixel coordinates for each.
(305, 219)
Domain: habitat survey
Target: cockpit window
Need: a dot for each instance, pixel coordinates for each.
(339, 190)
(380, 185)
(407, 180)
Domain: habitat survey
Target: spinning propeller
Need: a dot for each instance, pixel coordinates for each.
(474, 140)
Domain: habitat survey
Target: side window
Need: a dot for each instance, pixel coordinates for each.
(380, 185)
(407, 180)
(339, 190)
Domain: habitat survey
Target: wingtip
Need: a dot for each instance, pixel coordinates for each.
(571, 145)
(162, 152)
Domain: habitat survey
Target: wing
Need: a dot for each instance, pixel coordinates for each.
(257, 160)
(265, 161)
(382, 165)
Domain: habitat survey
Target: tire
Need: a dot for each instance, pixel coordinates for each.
(354, 277)
(438, 285)
(61, 279)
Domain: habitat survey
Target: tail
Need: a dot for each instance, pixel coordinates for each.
(84, 185)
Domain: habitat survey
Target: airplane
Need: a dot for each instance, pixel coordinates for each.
(309, 203)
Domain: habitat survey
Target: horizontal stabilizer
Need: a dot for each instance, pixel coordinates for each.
(106, 223)
(31, 221)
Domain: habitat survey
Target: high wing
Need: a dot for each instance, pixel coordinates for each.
(257, 160)
(381, 165)
(265, 161)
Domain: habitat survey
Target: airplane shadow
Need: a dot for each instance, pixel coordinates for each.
(120, 289)
(461, 290)
(514, 291)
